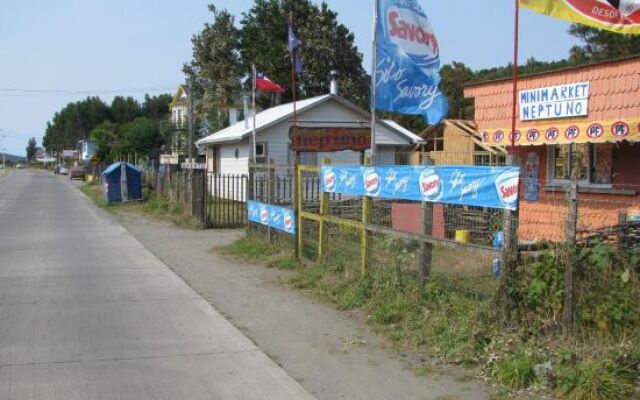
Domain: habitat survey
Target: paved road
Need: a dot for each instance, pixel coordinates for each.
(87, 312)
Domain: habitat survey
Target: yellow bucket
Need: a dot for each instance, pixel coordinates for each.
(463, 236)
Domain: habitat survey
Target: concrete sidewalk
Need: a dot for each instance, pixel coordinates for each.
(89, 313)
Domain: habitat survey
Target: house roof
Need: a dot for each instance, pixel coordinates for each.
(614, 94)
(284, 112)
(180, 97)
(464, 127)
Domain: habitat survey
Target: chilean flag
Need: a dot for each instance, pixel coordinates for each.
(266, 84)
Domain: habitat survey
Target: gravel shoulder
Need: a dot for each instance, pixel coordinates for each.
(333, 354)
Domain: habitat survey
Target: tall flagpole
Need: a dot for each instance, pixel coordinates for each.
(515, 78)
(293, 85)
(374, 66)
(253, 101)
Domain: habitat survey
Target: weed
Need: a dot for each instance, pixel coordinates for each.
(516, 370)
(307, 277)
(249, 249)
(596, 380)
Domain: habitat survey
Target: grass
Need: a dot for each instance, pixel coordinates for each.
(455, 322)
(154, 206)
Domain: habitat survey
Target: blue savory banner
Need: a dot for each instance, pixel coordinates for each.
(275, 217)
(494, 187)
(408, 62)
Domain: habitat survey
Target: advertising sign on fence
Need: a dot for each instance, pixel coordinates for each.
(279, 218)
(494, 187)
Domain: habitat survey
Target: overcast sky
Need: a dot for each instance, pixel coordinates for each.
(107, 47)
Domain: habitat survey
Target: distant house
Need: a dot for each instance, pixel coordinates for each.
(179, 111)
(86, 150)
(229, 150)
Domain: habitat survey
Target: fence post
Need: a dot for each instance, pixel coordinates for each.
(270, 188)
(567, 257)
(364, 236)
(509, 258)
(298, 210)
(426, 253)
(324, 210)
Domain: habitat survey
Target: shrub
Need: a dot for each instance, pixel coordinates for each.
(516, 370)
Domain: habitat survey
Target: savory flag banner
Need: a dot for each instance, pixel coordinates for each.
(494, 187)
(622, 16)
(279, 218)
(407, 62)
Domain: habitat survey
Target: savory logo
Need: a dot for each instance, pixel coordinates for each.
(371, 181)
(507, 187)
(430, 184)
(329, 180)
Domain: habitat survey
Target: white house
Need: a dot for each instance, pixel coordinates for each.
(229, 150)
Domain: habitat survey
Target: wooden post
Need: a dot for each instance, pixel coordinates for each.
(270, 188)
(509, 258)
(324, 210)
(298, 210)
(364, 236)
(426, 253)
(567, 256)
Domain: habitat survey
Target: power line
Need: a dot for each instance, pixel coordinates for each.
(24, 92)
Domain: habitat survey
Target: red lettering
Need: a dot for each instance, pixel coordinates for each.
(430, 185)
(509, 191)
(411, 32)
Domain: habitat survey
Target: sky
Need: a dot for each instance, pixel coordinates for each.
(69, 49)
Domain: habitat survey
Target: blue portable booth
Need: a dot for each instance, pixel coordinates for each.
(122, 182)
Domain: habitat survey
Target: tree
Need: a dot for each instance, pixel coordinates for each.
(124, 109)
(141, 136)
(601, 45)
(215, 68)
(325, 45)
(454, 77)
(156, 107)
(31, 149)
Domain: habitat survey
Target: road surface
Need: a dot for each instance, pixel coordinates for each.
(87, 312)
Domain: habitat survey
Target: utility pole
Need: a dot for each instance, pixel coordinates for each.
(4, 151)
(190, 152)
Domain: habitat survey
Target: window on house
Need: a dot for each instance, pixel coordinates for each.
(590, 163)
(435, 142)
(261, 150)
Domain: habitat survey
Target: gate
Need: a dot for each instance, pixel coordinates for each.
(226, 201)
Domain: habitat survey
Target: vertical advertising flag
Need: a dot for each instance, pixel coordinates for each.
(621, 16)
(407, 62)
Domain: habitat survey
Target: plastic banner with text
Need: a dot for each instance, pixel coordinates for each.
(493, 187)
(408, 62)
(622, 16)
(275, 217)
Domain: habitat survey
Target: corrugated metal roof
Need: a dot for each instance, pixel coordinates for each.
(284, 112)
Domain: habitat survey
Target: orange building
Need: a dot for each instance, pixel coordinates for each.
(577, 123)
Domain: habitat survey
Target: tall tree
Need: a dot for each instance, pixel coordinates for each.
(216, 68)
(156, 107)
(325, 45)
(454, 77)
(31, 149)
(599, 45)
(124, 109)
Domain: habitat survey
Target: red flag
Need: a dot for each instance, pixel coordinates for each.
(266, 84)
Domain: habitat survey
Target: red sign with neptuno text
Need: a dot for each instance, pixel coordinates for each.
(330, 139)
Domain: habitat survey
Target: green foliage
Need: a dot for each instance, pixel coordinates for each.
(31, 149)
(596, 380)
(600, 45)
(249, 248)
(141, 135)
(325, 45)
(124, 109)
(215, 67)
(516, 371)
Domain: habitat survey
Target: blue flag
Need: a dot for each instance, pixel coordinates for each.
(294, 44)
(408, 62)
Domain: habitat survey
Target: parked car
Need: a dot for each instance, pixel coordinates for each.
(77, 173)
(63, 169)
(19, 166)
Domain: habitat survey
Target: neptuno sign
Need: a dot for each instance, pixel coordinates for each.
(571, 100)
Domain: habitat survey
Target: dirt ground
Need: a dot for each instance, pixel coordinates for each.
(333, 354)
